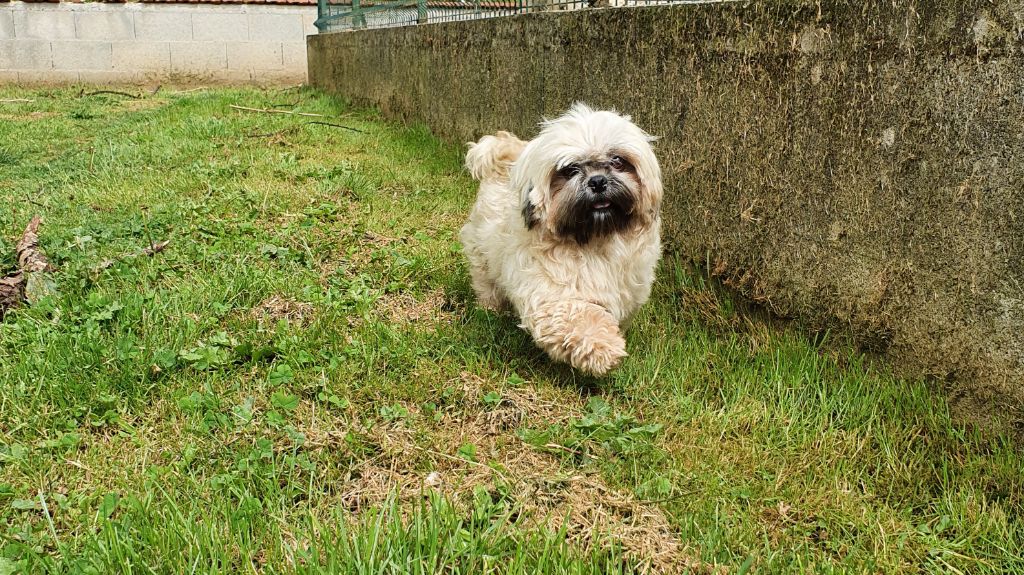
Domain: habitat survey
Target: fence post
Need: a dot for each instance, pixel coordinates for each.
(358, 19)
(421, 11)
(321, 12)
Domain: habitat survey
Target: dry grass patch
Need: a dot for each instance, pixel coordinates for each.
(404, 308)
(276, 308)
(544, 490)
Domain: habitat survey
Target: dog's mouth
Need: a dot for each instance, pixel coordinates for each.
(601, 205)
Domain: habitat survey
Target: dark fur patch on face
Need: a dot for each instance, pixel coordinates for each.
(529, 217)
(586, 215)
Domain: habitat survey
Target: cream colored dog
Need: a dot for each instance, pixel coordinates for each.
(566, 229)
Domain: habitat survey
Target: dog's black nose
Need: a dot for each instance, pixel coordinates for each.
(597, 183)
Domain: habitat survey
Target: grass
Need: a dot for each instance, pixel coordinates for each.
(301, 382)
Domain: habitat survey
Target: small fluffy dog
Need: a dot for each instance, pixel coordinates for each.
(566, 229)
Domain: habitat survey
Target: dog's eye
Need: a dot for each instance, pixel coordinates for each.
(570, 171)
(618, 163)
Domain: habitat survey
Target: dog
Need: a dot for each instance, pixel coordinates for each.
(566, 229)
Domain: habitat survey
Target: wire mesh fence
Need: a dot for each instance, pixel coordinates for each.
(338, 15)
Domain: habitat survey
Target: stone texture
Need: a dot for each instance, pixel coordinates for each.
(254, 56)
(105, 25)
(25, 55)
(133, 43)
(81, 55)
(294, 56)
(275, 27)
(198, 57)
(309, 23)
(173, 26)
(857, 166)
(44, 24)
(141, 55)
(6, 24)
(220, 27)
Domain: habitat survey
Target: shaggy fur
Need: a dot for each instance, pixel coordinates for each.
(566, 230)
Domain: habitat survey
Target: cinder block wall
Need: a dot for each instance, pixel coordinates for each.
(856, 165)
(146, 43)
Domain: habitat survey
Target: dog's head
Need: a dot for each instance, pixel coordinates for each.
(588, 174)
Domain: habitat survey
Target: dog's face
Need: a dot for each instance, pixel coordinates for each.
(588, 175)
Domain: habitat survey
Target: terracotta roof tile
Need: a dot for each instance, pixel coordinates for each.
(291, 2)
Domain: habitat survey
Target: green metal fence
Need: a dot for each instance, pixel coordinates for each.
(337, 15)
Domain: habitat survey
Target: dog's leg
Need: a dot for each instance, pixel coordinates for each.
(488, 295)
(581, 333)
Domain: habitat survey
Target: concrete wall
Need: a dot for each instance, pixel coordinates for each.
(145, 43)
(856, 165)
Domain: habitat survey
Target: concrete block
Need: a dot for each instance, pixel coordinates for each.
(275, 27)
(192, 57)
(220, 27)
(294, 55)
(141, 55)
(308, 23)
(254, 56)
(175, 26)
(6, 23)
(106, 25)
(81, 55)
(50, 23)
(47, 77)
(25, 55)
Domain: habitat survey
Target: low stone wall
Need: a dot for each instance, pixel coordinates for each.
(144, 43)
(858, 166)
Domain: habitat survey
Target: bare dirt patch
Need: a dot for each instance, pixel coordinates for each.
(276, 308)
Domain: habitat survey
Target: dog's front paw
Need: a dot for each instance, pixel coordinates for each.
(598, 354)
(582, 334)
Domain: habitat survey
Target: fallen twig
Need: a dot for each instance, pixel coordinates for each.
(16, 101)
(273, 111)
(149, 251)
(335, 126)
(277, 133)
(112, 92)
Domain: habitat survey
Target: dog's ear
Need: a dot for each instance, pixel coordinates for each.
(529, 214)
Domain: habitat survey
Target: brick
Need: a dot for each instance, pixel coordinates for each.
(45, 23)
(106, 25)
(81, 55)
(200, 57)
(141, 55)
(294, 55)
(6, 24)
(25, 55)
(275, 27)
(254, 56)
(220, 27)
(173, 26)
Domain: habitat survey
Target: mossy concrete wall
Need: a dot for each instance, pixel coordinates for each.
(855, 165)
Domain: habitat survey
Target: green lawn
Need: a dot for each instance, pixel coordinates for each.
(301, 381)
